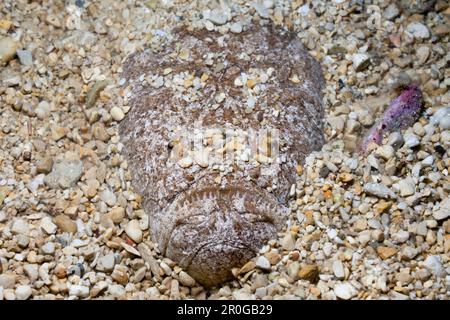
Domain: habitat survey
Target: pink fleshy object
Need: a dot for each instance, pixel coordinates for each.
(402, 112)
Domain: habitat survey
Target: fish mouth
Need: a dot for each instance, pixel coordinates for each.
(220, 229)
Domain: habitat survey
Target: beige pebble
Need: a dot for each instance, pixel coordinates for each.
(8, 49)
(117, 114)
(134, 231)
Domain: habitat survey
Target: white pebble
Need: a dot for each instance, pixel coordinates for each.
(338, 269)
(263, 263)
(407, 187)
(418, 30)
(411, 141)
(434, 265)
(134, 231)
(428, 161)
(236, 27)
(344, 291)
(445, 123)
(23, 292)
(401, 236)
(79, 291)
(48, 226)
(20, 226)
(108, 197)
(117, 113)
(444, 210)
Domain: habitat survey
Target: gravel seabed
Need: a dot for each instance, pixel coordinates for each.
(362, 227)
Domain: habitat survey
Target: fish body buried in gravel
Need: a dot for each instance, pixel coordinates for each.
(402, 112)
(213, 206)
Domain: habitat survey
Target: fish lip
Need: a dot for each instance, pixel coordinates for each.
(275, 214)
(186, 261)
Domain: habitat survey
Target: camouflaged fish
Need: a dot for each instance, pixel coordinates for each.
(217, 127)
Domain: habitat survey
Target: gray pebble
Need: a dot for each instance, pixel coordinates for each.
(65, 173)
(25, 57)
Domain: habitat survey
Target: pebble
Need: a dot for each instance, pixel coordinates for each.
(10, 78)
(94, 92)
(23, 292)
(428, 161)
(60, 271)
(139, 275)
(31, 271)
(309, 272)
(8, 49)
(423, 52)
(236, 27)
(288, 242)
(44, 165)
(185, 162)
(25, 57)
(360, 61)
(117, 215)
(64, 174)
(99, 132)
(261, 292)
(344, 291)
(391, 12)
(386, 152)
(411, 141)
(7, 281)
(401, 236)
(9, 294)
(444, 210)
(336, 123)
(108, 197)
(416, 6)
(439, 114)
(174, 290)
(407, 187)
(79, 291)
(186, 279)
(263, 263)
(58, 133)
(106, 263)
(418, 30)
(422, 229)
(386, 252)
(217, 17)
(441, 30)
(120, 274)
(445, 123)
(133, 230)
(98, 288)
(379, 190)
(404, 277)
(20, 226)
(434, 265)
(304, 10)
(117, 114)
(43, 110)
(338, 269)
(261, 10)
(65, 224)
(48, 226)
(408, 253)
(116, 291)
(327, 248)
(48, 248)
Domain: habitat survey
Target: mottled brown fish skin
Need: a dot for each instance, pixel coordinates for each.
(210, 227)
